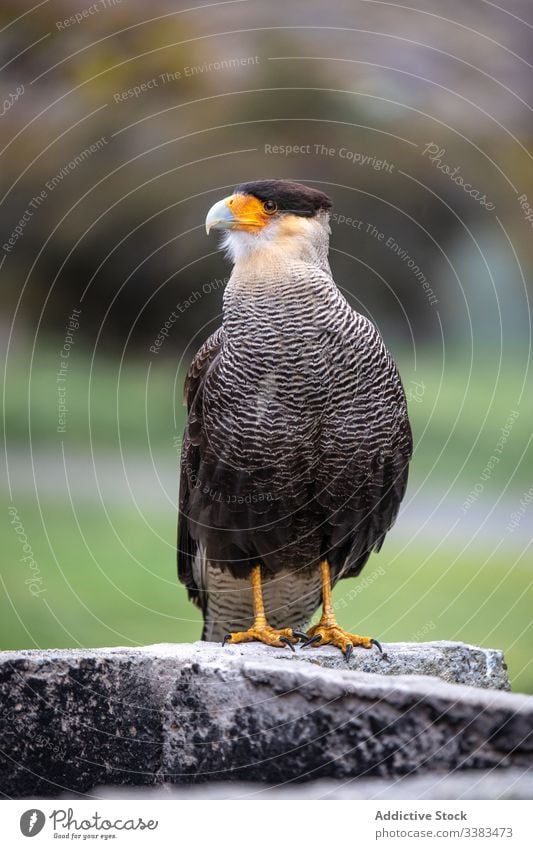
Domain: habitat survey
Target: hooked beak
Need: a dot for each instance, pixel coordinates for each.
(238, 212)
(220, 217)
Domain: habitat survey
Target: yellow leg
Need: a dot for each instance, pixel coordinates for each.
(328, 632)
(261, 631)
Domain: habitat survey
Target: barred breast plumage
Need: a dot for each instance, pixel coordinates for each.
(297, 440)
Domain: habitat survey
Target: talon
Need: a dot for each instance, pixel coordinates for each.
(348, 652)
(261, 634)
(377, 644)
(300, 634)
(316, 639)
(287, 642)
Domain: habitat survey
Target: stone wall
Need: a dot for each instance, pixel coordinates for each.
(185, 714)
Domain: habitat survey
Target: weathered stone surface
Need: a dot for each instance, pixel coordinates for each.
(469, 784)
(457, 663)
(72, 720)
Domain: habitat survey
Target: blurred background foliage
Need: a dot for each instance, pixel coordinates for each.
(120, 237)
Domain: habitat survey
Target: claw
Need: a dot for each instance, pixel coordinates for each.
(348, 652)
(300, 634)
(377, 644)
(226, 639)
(316, 639)
(287, 642)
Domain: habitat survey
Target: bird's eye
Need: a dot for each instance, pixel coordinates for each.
(270, 206)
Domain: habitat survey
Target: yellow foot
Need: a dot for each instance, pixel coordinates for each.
(263, 634)
(332, 634)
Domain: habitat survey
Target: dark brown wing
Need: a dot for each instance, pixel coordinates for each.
(188, 552)
(378, 508)
(360, 525)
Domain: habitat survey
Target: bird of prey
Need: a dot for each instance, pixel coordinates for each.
(297, 442)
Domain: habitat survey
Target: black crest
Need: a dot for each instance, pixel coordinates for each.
(289, 197)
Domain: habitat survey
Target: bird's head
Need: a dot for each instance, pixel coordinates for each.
(271, 214)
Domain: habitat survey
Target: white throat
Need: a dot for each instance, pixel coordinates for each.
(290, 238)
